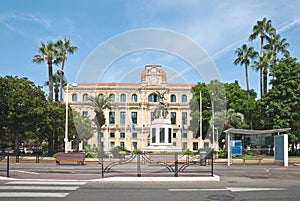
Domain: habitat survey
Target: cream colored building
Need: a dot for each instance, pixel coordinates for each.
(133, 105)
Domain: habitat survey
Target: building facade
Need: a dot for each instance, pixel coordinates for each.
(128, 122)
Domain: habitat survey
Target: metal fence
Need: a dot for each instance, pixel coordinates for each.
(140, 164)
(159, 164)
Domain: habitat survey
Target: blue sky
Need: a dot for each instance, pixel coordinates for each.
(218, 27)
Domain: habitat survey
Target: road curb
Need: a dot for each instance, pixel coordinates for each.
(6, 178)
(158, 179)
(130, 179)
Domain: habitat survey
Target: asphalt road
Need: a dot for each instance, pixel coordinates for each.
(238, 182)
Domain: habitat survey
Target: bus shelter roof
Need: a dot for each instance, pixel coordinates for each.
(251, 132)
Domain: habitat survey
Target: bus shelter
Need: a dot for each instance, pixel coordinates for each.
(272, 142)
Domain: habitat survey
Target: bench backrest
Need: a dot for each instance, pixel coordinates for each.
(72, 155)
(162, 157)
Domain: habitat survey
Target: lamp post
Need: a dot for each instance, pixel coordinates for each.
(213, 124)
(217, 136)
(107, 140)
(67, 118)
(200, 121)
(67, 115)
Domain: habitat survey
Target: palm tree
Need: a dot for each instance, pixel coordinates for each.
(64, 47)
(50, 54)
(243, 55)
(262, 29)
(229, 119)
(233, 119)
(84, 129)
(262, 65)
(276, 45)
(56, 84)
(99, 103)
(256, 65)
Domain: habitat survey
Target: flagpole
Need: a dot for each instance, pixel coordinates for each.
(200, 121)
(182, 131)
(142, 119)
(125, 125)
(67, 116)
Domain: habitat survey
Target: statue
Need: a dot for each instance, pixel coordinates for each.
(161, 110)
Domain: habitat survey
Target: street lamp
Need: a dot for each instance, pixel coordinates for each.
(66, 125)
(213, 124)
(200, 121)
(67, 116)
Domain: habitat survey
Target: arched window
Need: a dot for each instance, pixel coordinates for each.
(184, 98)
(134, 98)
(153, 98)
(112, 97)
(173, 98)
(100, 95)
(84, 97)
(74, 97)
(123, 97)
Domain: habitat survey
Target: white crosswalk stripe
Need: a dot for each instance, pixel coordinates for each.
(41, 188)
(32, 195)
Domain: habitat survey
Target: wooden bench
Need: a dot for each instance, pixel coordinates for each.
(70, 157)
(259, 160)
(162, 158)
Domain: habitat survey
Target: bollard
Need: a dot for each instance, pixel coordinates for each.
(138, 165)
(203, 158)
(17, 156)
(176, 164)
(102, 166)
(37, 158)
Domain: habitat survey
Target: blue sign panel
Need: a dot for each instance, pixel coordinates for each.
(236, 147)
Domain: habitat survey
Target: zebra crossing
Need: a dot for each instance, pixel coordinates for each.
(38, 189)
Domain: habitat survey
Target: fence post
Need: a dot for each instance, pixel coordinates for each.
(37, 157)
(7, 169)
(212, 163)
(176, 164)
(102, 167)
(138, 165)
(18, 156)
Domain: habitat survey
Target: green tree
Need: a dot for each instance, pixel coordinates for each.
(213, 101)
(262, 65)
(64, 47)
(237, 99)
(281, 105)
(276, 45)
(244, 55)
(48, 52)
(233, 119)
(195, 110)
(99, 103)
(262, 29)
(22, 109)
(56, 84)
(52, 132)
(84, 129)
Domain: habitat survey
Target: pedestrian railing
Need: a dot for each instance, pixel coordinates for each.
(161, 164)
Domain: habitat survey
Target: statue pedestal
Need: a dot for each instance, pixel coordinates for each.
(161, 137)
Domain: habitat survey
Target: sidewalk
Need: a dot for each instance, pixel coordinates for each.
(92, 171)
(47, 169)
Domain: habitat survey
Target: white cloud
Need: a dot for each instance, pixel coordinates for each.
(24, 23)
(289, 25)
